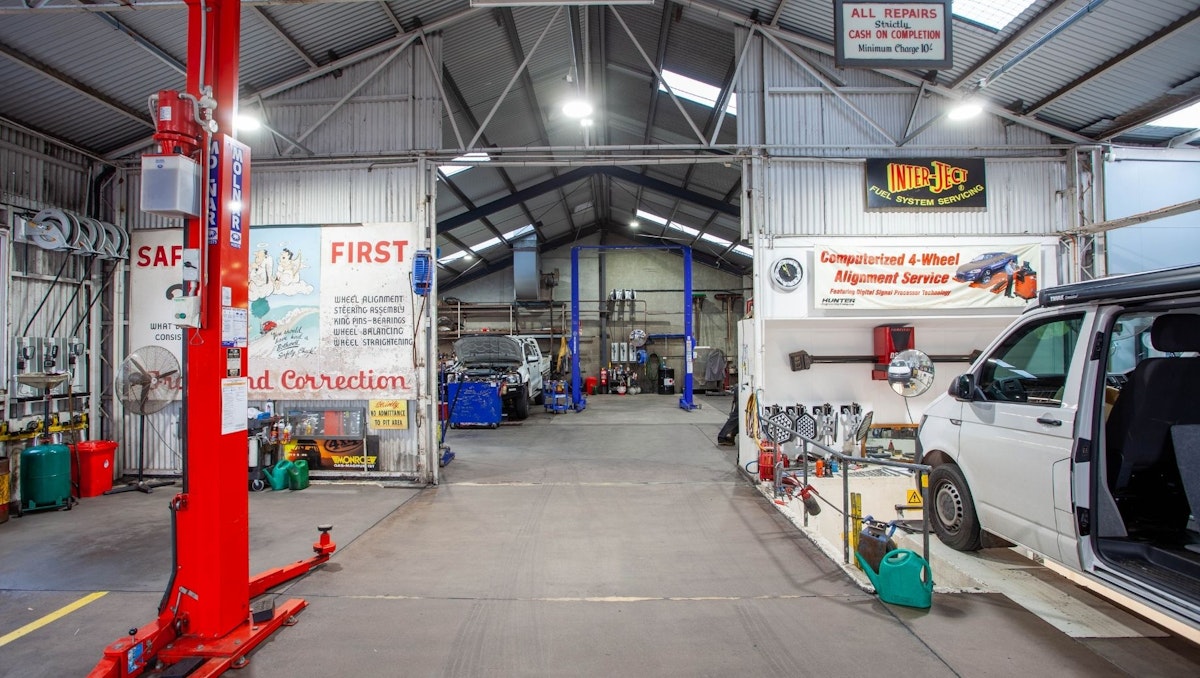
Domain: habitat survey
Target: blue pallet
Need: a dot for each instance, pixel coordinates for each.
(474, 404)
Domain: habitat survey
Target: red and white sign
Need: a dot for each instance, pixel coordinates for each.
(156, 277)
(885, 277)
(330, 317)
(893, 34)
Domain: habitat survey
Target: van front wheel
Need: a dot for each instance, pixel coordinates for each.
(953, 509)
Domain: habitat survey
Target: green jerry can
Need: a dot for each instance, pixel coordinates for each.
(297, 475)
(45, 477)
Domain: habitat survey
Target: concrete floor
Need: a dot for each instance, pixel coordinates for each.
(616, 542)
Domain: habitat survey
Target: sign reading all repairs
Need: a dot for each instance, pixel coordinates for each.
(901, 34)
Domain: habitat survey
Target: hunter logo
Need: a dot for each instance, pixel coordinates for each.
(837, 301)
(938, 177)
(926, 183)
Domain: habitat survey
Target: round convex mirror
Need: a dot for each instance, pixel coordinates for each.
(910, 373)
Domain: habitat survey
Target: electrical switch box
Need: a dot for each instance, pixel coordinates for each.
(54, 359)
(890, 340)
(77, 364)
(26, 358)
(170, 185)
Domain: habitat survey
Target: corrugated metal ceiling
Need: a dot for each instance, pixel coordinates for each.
(82, 74)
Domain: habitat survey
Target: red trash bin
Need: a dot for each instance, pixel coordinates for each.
(95, 466)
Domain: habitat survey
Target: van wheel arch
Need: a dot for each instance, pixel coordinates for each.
(952, 509)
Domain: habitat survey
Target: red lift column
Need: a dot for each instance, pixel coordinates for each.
(213, 537)
(204, 624)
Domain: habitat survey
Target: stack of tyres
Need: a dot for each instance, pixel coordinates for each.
(45, 477)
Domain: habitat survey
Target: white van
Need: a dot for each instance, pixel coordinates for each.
(1077, 434)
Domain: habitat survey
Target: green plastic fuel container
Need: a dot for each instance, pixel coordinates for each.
(298, 475)
(45, 477)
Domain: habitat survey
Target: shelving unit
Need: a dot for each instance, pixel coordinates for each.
(538, 319)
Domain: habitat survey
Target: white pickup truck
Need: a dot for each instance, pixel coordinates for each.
(517, 361)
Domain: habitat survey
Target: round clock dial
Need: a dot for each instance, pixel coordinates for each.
(787, 273)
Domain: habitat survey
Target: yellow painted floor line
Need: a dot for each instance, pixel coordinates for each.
(57, 614)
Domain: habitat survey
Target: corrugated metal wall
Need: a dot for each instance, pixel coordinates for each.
(785, 107)
(812, 177)
(827, 197)
(49, 292)
(37, 174)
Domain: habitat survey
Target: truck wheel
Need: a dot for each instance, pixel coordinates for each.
(521, 406)
(540, 398)
(953, 509)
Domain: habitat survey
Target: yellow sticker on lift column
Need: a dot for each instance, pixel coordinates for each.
(914, 498)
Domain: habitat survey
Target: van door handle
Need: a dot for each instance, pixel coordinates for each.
(1049, 422)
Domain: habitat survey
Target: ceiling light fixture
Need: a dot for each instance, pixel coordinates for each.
(965, 110)
(577, 108)
(576, 105)
(246, 123)
(633, 223)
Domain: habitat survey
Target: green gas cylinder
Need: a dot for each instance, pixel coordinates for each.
(45, 477)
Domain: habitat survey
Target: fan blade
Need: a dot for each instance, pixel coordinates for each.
(137, 364)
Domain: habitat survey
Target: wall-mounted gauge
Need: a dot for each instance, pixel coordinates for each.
(786, 274)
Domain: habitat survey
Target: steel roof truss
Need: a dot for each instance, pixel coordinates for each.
(827, 84)
(73, 85)
(354, 90)
(1184, 22)
(282, 35)
(512, 81)
(657, 74)
(143, 42)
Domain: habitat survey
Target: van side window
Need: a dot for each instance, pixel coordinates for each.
(1031, 365)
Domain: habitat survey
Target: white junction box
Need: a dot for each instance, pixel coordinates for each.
(170, 185)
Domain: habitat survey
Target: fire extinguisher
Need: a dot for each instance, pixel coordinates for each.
(604, 380)
(176, 129)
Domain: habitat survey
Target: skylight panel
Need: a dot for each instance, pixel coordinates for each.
(688, 230)
(1187, 118)
(991, 13)
(694, 90)
(716, 240)
(651, 217)
(451, 258)
(451, 170)
(515, 233)
(683, 229)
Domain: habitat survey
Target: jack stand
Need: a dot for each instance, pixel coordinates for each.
(165, 642)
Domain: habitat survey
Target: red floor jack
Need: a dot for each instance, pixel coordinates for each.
(162, 642)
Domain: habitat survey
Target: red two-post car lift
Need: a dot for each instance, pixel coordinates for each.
(205, 624)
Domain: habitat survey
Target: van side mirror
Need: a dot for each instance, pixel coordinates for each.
(963, 387)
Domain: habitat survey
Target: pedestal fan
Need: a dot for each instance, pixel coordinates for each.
(147, 381)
